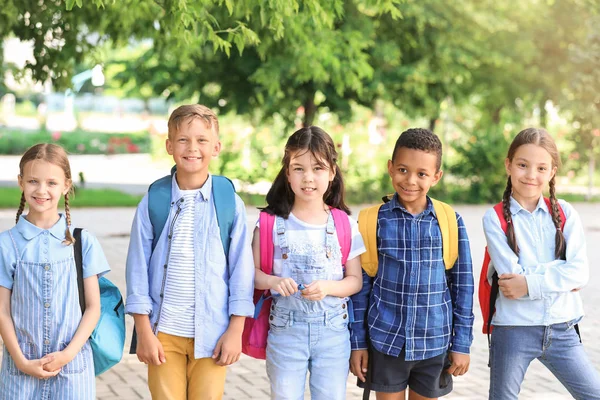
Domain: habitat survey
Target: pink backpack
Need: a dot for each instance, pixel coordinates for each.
(254, 338)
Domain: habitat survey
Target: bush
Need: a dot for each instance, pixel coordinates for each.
(77, 142)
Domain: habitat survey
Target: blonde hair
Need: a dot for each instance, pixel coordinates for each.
(187, 113)
(55, 155)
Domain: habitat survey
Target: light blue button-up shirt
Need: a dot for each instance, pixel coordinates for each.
(224, 286)
(550, 281)
(45, 245)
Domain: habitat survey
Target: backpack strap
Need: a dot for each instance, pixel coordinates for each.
(367, 225)
(449, 226)
(563, 217)
(223, 193)
(265, 226)
(159, 205)
(344, 232)
(79, 266)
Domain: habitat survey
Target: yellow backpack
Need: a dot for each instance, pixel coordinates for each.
(367, 225)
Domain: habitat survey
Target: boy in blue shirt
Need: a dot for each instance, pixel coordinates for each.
(188, 297)
(409, 316)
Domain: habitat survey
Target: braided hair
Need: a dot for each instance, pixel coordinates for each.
(53, 154)
(539, 137)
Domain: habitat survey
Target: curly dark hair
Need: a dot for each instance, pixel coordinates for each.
(420, 139)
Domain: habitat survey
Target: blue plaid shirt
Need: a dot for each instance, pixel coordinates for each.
(409, 303)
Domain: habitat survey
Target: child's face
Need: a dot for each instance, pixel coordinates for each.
(193, 146)
(413, 173)
(530, 171)
(43, 184)
(308, 177)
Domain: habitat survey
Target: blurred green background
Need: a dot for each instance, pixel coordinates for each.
(475, 72)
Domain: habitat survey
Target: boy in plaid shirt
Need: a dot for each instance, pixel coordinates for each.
(417, 325)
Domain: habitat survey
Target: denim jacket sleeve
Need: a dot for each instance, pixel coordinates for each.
(563, 275)
(462, 291)
(138, 262)
(241, 265)
(359, 328)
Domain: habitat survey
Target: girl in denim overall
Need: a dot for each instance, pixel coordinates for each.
(46, 350)
(310, 287)
(541, 263)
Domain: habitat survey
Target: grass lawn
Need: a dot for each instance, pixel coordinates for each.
(10, 197)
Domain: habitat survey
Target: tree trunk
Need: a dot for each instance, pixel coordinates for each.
(432, 124)
(591, 169)
(310, 110)
(496, 115)
(543, 114)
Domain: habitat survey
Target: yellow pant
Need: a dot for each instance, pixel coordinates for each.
(183, 377)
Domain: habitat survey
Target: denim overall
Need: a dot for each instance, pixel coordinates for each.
(307, 335)
(46, 314)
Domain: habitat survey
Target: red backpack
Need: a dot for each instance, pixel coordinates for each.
(488, 291)
(254, 338)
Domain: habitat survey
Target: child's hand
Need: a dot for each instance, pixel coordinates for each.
(359, 359)
(229, 347)
(284, 286)
(460, 363)
(149, 350)
(316, 290)
(513, 286)
(35, 368)
(60, 359)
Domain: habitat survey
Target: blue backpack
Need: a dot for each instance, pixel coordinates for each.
(108, 338)
(159, 206)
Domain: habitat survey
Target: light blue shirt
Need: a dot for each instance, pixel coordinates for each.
(223, 287)
(550, 281)
(45, 245)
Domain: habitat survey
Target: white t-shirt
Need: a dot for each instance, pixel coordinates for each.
(306, 239)
(177, 313)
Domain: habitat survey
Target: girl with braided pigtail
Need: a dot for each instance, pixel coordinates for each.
(45, 333)
(541, 262)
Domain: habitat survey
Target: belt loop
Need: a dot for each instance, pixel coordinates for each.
(291, 318)
(326, 316)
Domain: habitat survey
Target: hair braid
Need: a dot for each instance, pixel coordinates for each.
(560, 242)
(69, 238)
(21, 207)
(510, 229)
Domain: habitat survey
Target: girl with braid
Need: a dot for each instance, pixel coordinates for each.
(46, 349)
(541, 263)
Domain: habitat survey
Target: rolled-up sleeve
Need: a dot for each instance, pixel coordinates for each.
(138, 261)
(240, 265)
(462, 293)
(359, 328)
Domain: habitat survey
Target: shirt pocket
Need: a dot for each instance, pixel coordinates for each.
(216, 253)
(430, 252)
(29, 351)
(78, 364)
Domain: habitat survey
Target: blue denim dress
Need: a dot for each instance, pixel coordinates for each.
(309, 336)
(46, 314)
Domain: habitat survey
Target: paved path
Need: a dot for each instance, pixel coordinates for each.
(247, 379)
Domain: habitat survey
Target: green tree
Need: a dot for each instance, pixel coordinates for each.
(584, 99)
(63, 35)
